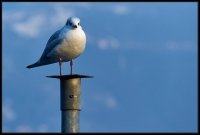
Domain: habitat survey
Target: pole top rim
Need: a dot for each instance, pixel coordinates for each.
(65, 77)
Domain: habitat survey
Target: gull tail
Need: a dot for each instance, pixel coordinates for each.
(37, 64)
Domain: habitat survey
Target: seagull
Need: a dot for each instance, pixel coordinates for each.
(64, 45)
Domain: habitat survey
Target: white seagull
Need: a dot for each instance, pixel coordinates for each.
(64, 45)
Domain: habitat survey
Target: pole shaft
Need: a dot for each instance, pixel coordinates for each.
(70, 101)
(70, 121)
(70, 104)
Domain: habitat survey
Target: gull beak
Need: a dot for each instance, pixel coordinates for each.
(74, 26)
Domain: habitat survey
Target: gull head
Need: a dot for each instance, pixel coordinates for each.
(73, 23)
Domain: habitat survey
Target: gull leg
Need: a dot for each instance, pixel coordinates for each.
(60, 65)
(71, 64)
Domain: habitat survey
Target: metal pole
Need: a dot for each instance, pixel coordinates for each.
(70, 104)
(70, 92)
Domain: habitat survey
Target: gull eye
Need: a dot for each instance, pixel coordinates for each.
(78, 23)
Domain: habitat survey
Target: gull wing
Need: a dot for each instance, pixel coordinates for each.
(53, 41)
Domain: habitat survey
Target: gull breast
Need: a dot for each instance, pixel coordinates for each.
(72, 45)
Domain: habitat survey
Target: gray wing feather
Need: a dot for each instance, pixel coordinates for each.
(54, 40)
